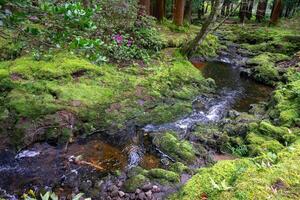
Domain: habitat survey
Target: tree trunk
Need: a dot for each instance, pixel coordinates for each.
(192, 46)
(277, 9)
(161, 9)
(188, 10)
(86, 3)
(206, 8)
(145, 7)
(261, 10)
(243, 10)
(249, 9)
(178, 12)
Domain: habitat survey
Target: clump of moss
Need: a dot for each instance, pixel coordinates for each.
(135, 182)
(162, 175)
(260, 144)
(265, 70)
(209, 47)
(172, 146)
(286, 103)
(248, 178)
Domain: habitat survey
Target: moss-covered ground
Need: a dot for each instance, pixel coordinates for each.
(266, 140)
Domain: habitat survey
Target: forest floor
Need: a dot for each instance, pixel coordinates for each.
(253, 154)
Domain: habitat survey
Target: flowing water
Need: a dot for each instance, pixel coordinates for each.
(233, 91)
(43, 165)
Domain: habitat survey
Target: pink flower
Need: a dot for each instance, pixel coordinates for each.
(118, 38)
(129, 43)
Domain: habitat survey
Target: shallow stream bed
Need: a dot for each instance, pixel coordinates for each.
(43, 165)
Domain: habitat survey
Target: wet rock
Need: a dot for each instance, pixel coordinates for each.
(114, 193)
(155, 189)
(132, 196)
(149, 194)
(137, 191)
(121, 193)
(142, 196)
(233, 113)
(113, 188)
(86, 185)
(147, 187)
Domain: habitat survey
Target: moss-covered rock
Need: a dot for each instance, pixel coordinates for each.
(164, 175)
(135, 182)
(179, 167)
(98, 97)
(266, 177)
(259, 144)
(265, 70)
(170, 144)
(282, 134)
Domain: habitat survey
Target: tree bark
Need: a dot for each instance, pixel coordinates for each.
(178, 12)
(277, 9)
(145, 6)
(249, 9)
(188, 10)
(261, 10)
(161, 9)
(192, 46)
(243, 10)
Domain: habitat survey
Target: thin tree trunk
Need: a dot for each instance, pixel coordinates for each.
(178, 12)
(249, 9)
(145, 6)
(243, 10)
(276, 11)
(261, 10)
(188, 10)
(192, 46)
(206, 8)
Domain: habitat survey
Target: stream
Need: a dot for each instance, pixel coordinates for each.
(46, 166)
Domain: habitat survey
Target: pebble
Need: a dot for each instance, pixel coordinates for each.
(132, 196)
(155, 189)
(138, 191)
(113, 188)
(142, 196)
(147, 187)
(121, 193)
(119, 184)
(149, 194)
(114, 193)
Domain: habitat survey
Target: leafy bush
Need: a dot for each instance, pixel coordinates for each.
(107, 30)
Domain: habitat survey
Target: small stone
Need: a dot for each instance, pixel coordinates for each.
(113, 188)
(155, 189)
(138, 191)
(147, 187)
(149, 194)
(132, 196)
(121, 193)
(142, 196)
(119, 184)
(114, 193)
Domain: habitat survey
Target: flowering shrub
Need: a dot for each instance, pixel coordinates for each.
(110, 30)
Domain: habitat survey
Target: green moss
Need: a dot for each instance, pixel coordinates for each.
(259, 144)
(265, 70)
(164, 175)
(135, 182)
(179, 168)
(209, 47)
(101, 96)
(169, 144)
(287, 101)
(282, 134)
(248, 178)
